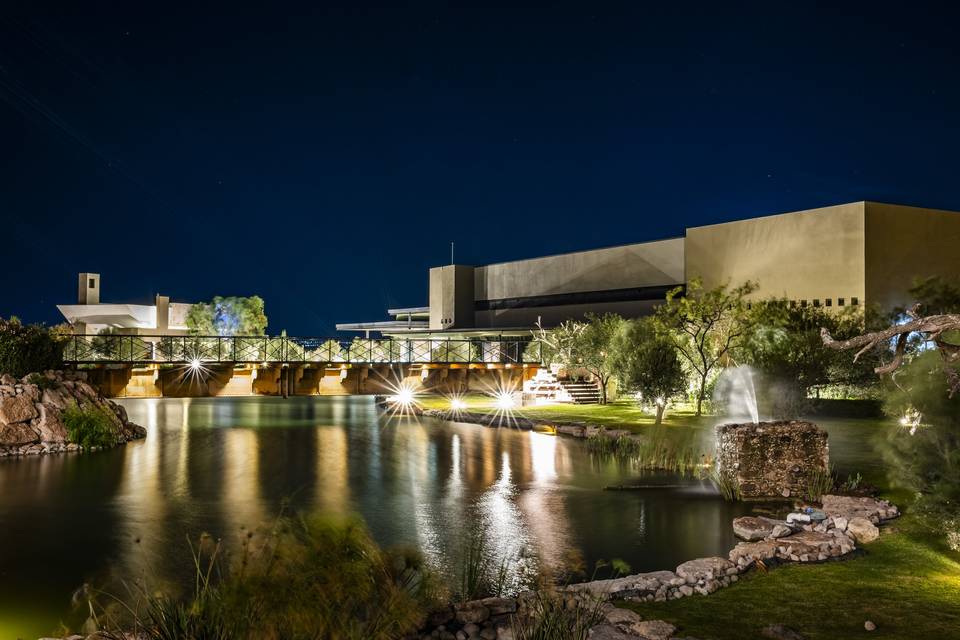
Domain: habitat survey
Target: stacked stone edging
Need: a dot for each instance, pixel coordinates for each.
(31, 418)
(847, 521)
(771, 458)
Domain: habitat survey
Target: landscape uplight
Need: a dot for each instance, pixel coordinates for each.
(505, 400)
(404, 397)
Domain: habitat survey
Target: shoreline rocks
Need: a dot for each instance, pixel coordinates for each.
(31, 413)
(828, 539)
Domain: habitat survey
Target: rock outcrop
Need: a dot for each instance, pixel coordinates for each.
(31, 413)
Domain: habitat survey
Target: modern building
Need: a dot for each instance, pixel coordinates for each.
(843, 255)
(90, 316)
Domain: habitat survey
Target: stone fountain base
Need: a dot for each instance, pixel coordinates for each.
(771, 459)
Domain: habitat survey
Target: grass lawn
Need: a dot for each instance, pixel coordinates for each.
(907, 583)
(621, 414)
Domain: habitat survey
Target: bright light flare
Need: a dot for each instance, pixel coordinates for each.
(911, 420)
(404, 396)
(195, 364)
(505, 400)
(456, 404)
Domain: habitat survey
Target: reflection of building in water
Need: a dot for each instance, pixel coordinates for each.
(505, 530)
(543, 505)
(241, 481)
(420, 471)
(332, 489)
(144, 494)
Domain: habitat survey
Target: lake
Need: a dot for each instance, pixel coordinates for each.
(225, 465)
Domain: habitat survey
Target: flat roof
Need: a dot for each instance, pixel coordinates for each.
(409, 311)
(381, 325)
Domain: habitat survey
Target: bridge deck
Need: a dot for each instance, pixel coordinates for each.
(142, 350)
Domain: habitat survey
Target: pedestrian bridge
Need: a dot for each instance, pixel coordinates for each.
(266, 350)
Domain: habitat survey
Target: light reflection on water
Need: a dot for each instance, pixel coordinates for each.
(225, 465)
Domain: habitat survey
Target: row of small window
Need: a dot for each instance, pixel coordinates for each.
(828, 302)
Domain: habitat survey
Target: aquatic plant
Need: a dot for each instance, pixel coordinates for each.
(727, 486)
(819, 483)
(659, 449)
(89, 426)
(477, 577)
(551, 618)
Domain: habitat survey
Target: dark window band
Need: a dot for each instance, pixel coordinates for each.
(632, 294)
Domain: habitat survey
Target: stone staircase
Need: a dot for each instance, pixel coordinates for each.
(545, 387)
(582, 392)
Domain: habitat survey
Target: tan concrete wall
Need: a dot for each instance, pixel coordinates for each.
(635, 265)
(904, 244)
(805, 255)
(451, 296)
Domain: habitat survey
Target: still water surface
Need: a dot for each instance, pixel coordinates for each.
(222, 465)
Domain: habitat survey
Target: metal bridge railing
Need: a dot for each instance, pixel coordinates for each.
(142, 349)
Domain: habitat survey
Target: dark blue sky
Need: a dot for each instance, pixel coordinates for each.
(324, 157)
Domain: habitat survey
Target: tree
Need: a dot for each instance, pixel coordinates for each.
(939, 330)
(28, 348)
(784, 343)
(646, 360)
(591, 347)
(232, 316)
(586, 345)
(706, 325)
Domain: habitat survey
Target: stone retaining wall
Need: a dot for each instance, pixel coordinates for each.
(771, 458)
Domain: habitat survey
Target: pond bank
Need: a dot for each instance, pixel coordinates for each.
(846, 522)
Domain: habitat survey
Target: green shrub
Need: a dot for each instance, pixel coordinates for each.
(308, 577)
(42, 382)
(25, 348)
(89, 427)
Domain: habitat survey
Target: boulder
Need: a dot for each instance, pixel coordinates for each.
(873, 509)
(468, 612)
(703, 569)
(17, 435)
(780, 632)
(629, 586)
(17, 409)
(751, 528)
(8, 380)
(753, 551)
(862, 530)
(499, 606)
(654, 630)
(780, 531)
(608, 632)
(50, 424)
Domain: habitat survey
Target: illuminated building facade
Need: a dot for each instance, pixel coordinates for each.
(838, 256)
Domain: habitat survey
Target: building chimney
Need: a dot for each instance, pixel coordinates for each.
(88, 289)
(163, 313)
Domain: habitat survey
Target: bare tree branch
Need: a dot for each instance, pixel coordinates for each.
(932, 329)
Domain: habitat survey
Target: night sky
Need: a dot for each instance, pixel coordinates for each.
(324, 157)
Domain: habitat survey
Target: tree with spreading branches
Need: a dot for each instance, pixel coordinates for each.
(706, 326)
